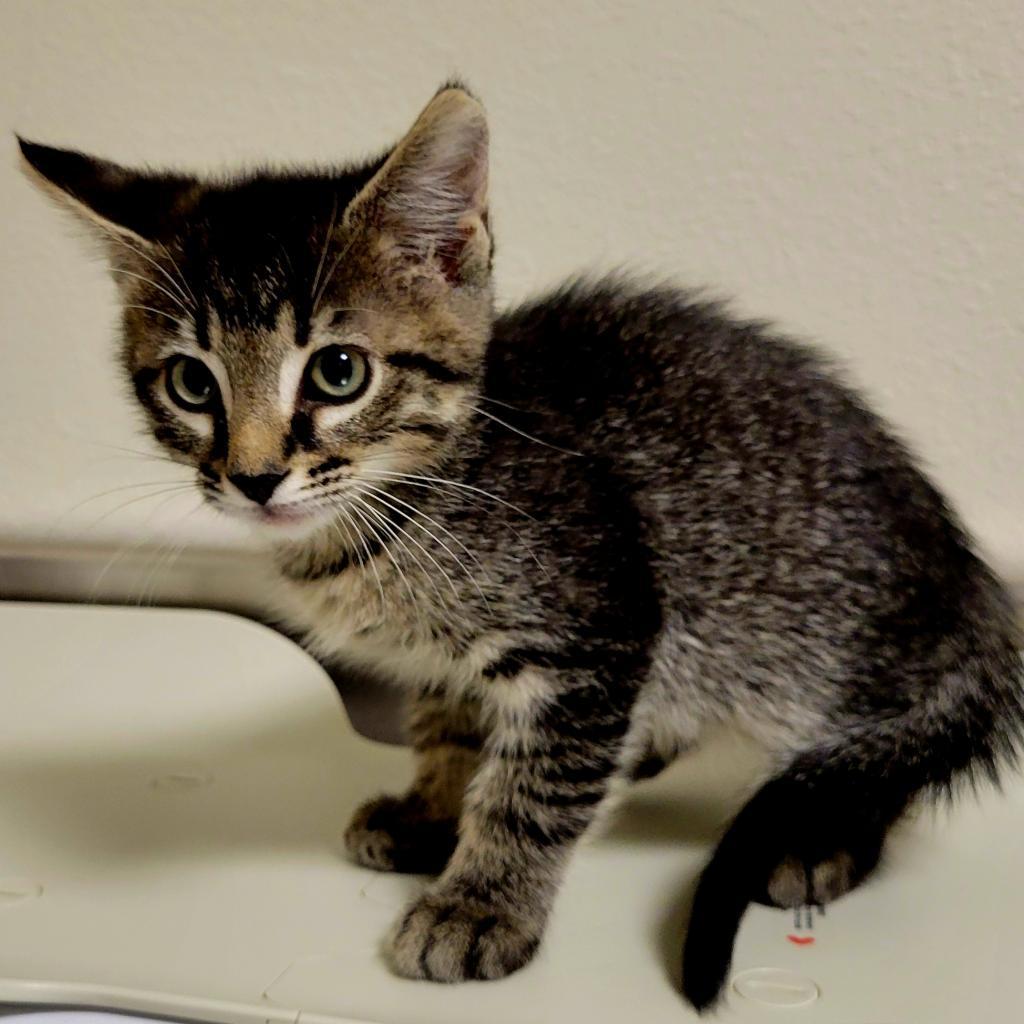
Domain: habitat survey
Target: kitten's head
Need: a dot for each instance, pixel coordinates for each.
(297, 336)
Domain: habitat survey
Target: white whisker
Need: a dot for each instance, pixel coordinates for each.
(162, 561)
(149, 259)
(120, 490)
(181, 276)
(136, 451)
(153, 284)
(133, 546)
(135, 501)
(394, 475)
(392, 531)
(523, 433)
(323, 251)
(383, 497)
(330, 274)
(494, 401)
(152, 309)
(473, 502)
(383, 543)
(440, 568)
(348, 521)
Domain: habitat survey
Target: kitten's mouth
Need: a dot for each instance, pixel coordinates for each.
(296, 518)
(280, 518)
(285, 515)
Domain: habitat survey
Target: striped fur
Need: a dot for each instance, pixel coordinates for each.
(576, 533)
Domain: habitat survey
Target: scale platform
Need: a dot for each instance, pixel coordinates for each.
(173, 790)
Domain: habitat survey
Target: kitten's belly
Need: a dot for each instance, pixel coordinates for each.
(344, 621)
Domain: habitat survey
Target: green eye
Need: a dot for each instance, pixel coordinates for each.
(190, 383)
(337, 374)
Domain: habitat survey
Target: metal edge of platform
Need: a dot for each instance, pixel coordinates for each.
(215, 579)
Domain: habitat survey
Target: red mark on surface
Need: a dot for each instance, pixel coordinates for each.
(801, 940)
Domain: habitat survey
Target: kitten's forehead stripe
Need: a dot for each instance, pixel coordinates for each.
(202, 327)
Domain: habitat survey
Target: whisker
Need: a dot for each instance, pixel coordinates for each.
(135, 451)
(419, 512)
(165, 558)
(385, 499)
(124, 549)
(153, 284)
(349, 521)
(330, 274)
(135, 501)
(181, 275)
(109, 564)
(458, 561)
(133, 458)
(392, 531)
(323, 252)
(523, 433)
(383, 543)
(392, 474)
(494, 401)
(149, 259)
(119, 490)
(473, 502)
(152, 309)
(393, 525)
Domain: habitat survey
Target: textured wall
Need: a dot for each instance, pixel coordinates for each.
(855, 170)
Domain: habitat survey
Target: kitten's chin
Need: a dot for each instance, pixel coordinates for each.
(270, 524)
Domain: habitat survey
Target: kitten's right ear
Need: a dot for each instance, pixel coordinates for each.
(133, 204)
(428, 201)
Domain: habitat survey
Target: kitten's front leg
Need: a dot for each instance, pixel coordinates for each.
(417, 832)
(546, 767)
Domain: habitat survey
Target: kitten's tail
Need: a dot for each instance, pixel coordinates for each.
(845, 795)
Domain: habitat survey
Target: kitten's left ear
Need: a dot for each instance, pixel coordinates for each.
(428, 201)
(138, 205)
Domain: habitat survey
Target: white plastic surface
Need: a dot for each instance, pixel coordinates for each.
(173, 786)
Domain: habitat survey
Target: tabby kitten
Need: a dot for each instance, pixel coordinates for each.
(577, 533)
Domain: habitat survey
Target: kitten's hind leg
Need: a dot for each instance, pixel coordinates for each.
(417, 832)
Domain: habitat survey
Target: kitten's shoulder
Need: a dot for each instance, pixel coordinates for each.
(589, 326)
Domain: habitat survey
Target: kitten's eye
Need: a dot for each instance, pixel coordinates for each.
(337, 374)
(190, 383)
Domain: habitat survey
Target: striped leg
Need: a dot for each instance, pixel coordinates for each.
(417, 832)
(546, 768)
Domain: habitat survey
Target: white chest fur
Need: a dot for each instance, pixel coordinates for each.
(404, 632)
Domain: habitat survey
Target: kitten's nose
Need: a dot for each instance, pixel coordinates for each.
(257, 487)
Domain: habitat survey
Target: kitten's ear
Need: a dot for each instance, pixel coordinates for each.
(138, 205)
(428, 201)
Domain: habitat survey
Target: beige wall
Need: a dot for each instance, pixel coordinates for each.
(855, 170)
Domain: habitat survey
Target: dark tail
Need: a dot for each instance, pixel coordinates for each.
(844, 796)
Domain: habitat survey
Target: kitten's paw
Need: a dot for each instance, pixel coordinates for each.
(398, 834)
(451, 938)
(795, 884)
